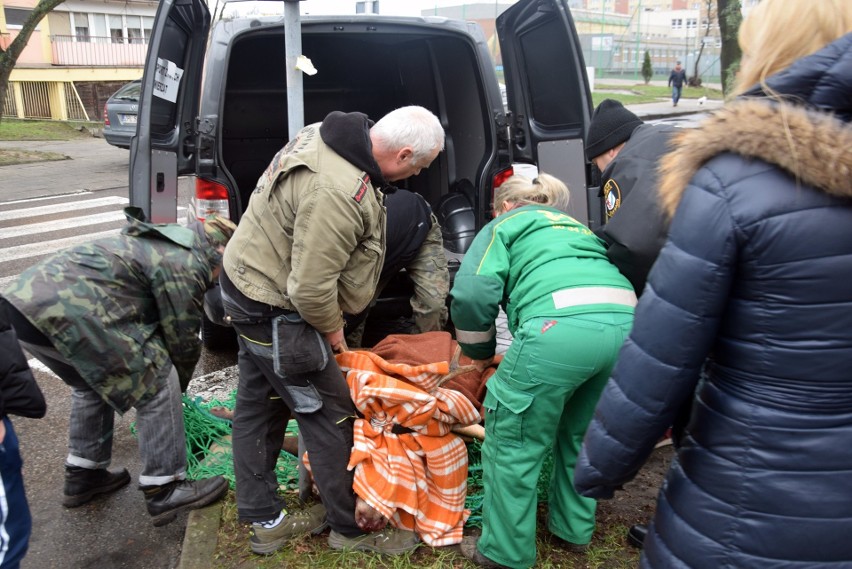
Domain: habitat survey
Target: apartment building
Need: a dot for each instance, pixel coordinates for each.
(79, 54)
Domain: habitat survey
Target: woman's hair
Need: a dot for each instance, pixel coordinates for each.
(411, 126)
(778, 32)
(545, 190)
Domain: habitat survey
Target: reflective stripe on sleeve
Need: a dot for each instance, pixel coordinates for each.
(475, 337)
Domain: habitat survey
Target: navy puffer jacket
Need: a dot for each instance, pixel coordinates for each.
(754, 287)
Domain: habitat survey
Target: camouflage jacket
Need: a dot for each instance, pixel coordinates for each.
(120, 308)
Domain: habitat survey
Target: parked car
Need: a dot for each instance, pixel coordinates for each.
(120, 113)
(225, 129)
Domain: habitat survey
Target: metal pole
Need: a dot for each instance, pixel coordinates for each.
(601, 42)
(292, 50)
(638, 37)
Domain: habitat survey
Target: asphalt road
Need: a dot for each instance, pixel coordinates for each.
(46, 206)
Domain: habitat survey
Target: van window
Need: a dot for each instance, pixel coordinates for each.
(549, 85)
(164, 112)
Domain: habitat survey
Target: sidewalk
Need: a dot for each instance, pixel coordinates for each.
(664, 109)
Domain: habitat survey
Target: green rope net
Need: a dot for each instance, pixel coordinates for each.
(209, 453)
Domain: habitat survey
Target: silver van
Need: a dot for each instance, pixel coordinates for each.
(214, 104)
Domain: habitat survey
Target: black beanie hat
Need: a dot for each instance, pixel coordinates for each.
(611, 125)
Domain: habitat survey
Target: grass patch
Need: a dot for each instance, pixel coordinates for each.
(17, 130)
(641, 93)
(607, 550)
(12, 156)
(20, 130)
(625, 99)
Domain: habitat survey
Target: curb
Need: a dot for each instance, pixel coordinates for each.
(201, 538)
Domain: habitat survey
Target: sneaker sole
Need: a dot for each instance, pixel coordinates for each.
(337, 541)
(78, 500)
(168, 517)
(273, 546)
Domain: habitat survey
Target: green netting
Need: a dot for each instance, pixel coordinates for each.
(208, 444)
(209, 454)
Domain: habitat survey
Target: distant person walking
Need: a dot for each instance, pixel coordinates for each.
(676, 80)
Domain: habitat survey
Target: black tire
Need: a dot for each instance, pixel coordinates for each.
(217, 338)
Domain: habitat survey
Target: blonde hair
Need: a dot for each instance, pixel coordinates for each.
(778, 32)
(544, 190)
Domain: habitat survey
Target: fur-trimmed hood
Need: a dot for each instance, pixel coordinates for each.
(807, 133)
(812, 146)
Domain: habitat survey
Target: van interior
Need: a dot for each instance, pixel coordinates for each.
(360, 69)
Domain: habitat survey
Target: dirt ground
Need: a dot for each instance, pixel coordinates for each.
(637, 502)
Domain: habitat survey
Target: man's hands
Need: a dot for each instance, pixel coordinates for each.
(337, 341)
(2, 431)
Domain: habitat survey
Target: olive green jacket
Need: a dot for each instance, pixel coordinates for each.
(312, 236)
(120, 308)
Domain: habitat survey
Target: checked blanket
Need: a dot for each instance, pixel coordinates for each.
(414, 474)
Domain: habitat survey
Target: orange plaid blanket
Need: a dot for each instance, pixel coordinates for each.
(417, 480)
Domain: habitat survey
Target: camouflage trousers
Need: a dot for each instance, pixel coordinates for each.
(431, 279)
(159, 423)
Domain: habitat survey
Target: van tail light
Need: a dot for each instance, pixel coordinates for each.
(106, 116)
(502, 176)
(211, 198)
(499, 178)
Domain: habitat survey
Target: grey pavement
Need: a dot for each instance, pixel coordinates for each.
(116, 531)
(91, 165)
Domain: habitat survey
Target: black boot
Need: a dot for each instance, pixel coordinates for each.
(83, 484)
(636, 535)
(167, 501)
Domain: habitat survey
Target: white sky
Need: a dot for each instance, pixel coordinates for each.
(326, 7)
(391, 7)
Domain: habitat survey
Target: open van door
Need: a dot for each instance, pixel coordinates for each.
(164, 146)
(548, 95)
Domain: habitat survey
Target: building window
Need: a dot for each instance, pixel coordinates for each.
(15, 17)
(677, 23)
(691, 23)
(116, 29)
(134, 29)
(367, 7)
(147, 26)
(80, 23)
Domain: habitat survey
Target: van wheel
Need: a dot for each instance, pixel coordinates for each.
(217, 338)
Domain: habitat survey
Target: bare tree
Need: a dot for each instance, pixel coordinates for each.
(9, 56)
(707, 15)
(730, 15)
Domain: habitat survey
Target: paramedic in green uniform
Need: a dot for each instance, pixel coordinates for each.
(569, 310)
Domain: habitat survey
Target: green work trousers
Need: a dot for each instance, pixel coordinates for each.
(543, 396)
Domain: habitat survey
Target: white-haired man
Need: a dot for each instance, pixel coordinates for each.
(310, 247)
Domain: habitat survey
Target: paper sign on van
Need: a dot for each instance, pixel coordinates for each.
(167, 80)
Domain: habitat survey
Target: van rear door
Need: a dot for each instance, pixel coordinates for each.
(164, 146)
(548, 94)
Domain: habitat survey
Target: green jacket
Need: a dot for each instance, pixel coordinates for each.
(312, 236)
(119, 308)
(518, 261)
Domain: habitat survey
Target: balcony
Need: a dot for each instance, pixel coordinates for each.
(95, 51)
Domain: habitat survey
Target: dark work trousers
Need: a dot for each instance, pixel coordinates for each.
(263, 407)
